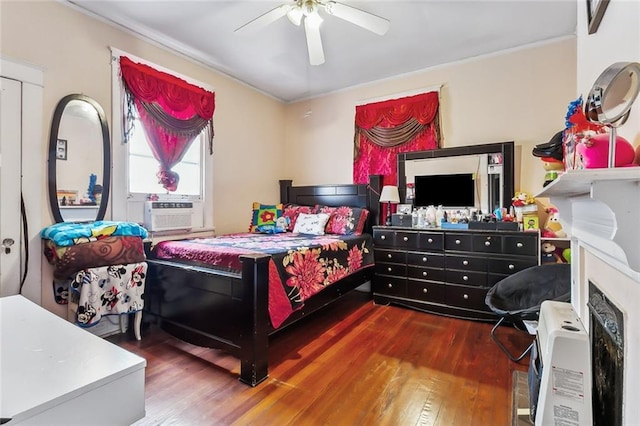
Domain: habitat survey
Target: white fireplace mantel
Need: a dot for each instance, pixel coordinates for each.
(601, 208)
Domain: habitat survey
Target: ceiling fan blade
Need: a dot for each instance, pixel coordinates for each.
(314, 42)
(264, 19)
(366, 20)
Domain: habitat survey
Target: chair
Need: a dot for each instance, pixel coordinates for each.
(518, 297)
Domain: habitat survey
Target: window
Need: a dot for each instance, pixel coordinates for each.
(142, 168)
(134, 178)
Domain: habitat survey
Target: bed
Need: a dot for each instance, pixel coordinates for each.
(228, 309)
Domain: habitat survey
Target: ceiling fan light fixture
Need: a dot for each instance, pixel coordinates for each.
(295, 15)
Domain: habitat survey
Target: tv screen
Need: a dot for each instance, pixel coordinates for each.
(451, 190)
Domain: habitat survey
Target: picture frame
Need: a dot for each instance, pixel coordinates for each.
(61, 149)
(67, 197)
(404, 208)
(595, 12)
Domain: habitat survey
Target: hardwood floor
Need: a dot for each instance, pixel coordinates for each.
(355, 363)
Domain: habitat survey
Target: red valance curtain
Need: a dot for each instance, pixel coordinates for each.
(384, 129)
(172, 111)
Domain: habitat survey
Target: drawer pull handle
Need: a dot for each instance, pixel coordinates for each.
(390, 285)
(424, 259)
(424, 274)
(430, 240)
(383, 237)
(424, 290)
(519, 245)
(512, 266)
(389, 269)
(389, 255)
(465, 296)
(465, 278)
(458, 241)
(487, 243)
(465, 262)
(406, 238)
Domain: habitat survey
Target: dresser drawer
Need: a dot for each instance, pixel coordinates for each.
(465, 263)
(431, 260)
(426, 292)
(395, 269)
(461, 242)
(383, 237)
(487, 243)
(510, 266)
(390, 256)
(406, 239)
(430, 241)
(467, 297)
(390, 286)
(477, 279)
(525, 245)
(430, 274)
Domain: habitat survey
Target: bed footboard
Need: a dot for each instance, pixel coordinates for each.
(215, 309)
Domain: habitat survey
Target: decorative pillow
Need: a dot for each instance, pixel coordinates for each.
(347, 220)
(312, 224)
(280, 226)
(291, 212)
(264, 214)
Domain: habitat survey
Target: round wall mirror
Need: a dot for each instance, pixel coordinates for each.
(79, 160)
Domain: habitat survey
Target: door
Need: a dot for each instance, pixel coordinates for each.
(10, 183)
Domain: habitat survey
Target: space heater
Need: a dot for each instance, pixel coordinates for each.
(560, 369)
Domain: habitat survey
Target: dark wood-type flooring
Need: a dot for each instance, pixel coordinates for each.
(354, 363)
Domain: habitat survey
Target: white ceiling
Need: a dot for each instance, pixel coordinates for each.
(422, 34)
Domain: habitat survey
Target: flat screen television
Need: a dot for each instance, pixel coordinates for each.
(448, 190)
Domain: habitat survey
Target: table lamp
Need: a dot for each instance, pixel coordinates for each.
(389, 195)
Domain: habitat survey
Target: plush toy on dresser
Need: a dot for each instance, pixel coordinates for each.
(553, 227)
(548, 254)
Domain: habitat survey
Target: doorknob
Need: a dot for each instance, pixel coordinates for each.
(6, 245)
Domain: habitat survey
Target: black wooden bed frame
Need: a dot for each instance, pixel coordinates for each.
(229, 311)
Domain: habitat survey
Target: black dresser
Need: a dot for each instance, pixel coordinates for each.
(447, 272)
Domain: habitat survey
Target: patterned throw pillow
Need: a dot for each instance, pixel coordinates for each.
(312, 224)
(347, 220)
(264, 214)
(291, 211)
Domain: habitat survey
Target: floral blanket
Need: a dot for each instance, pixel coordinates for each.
(300, 265)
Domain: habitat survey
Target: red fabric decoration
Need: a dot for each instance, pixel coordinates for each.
(373, 159)
(172, 111)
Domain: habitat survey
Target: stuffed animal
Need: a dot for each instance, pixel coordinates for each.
(593, 152)
(549, 254)
(553, 227)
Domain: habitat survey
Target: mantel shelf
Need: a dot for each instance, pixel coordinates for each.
(601, 208)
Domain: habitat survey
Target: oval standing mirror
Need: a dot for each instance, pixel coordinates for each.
(79, 160)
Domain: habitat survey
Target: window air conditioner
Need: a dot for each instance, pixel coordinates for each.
(168, 215)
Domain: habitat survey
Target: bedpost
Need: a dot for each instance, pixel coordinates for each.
(254, 319)
(284, 190)
(373, 201)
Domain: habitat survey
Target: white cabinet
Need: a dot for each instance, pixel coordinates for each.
(54, 373)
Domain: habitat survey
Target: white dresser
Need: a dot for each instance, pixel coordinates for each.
(54, 373)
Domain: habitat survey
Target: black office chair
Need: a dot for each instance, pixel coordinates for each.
(518, 297)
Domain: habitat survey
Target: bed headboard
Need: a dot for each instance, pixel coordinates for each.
(355, 195)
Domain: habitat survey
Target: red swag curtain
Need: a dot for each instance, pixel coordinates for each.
(384, 129)
(172, 111)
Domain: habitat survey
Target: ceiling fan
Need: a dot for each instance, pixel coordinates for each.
(307, 11)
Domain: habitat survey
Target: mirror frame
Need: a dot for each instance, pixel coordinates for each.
(504, 148)
(106, 155)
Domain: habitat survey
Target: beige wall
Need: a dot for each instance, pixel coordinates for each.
(520, 95)
(73, 50)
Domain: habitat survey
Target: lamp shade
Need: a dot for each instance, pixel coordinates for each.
(389, 194)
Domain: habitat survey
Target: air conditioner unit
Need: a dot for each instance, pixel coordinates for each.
(168, 215)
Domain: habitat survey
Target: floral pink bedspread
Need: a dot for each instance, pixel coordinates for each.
(300, 265)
